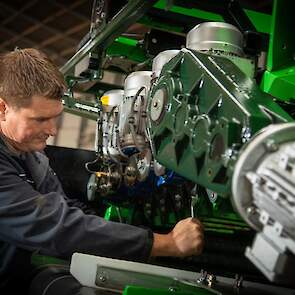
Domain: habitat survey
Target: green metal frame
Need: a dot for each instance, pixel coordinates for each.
(127, 47)
(279, 77)
(261, 21)
(276, 81)
(133, 11)
(207, 117)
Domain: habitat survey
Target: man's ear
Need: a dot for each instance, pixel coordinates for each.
(3, 109)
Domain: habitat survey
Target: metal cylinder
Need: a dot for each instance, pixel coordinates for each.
(112, 98)
(132, 110)
(135, 81)
(161, 59)
(215, 36)
(111, 101)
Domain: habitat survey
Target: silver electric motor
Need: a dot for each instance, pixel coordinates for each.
(263, 192)
(132, 121)
(111, 101)
(158, 63)
(107, 178)
(215, 36)
(161, 59)
(222, 39)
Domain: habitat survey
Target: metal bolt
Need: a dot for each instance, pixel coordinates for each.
(210, 280)
(177, 197)
(102, 278)
(271, 146)
(255, 179)
(238, 281)
(203, 277)
(251, 210)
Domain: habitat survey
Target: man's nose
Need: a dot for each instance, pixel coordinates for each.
(51, 128)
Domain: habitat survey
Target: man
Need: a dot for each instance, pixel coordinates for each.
(34, 211)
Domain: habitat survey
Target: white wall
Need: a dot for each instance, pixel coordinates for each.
(74, 132)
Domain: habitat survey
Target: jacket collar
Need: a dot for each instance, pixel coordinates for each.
(4, 146)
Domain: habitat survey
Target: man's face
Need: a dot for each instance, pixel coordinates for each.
(28, 128)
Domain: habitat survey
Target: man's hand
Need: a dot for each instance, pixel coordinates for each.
(185, 239)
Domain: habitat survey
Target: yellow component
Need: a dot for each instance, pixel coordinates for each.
(100, 174)
(105, 100)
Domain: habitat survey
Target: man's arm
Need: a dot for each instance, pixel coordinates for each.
(185, 239)
(45, 222)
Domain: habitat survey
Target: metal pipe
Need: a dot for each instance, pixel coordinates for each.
(128, 15)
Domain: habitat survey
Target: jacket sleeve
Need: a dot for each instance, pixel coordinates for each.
(45, 223)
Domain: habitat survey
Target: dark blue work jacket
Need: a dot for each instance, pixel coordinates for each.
(36, 217)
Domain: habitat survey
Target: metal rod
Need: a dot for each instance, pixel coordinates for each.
(129, 14)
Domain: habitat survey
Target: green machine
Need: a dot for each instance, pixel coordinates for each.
(195, 117)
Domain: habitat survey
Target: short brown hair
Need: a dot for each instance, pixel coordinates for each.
(28, 72)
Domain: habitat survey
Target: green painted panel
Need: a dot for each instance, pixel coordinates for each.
(279, 77)
(260, 20)
(280, 84)
(205, 118)
(189, 12)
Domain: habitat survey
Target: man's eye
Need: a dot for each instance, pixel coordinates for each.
(41, 120)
